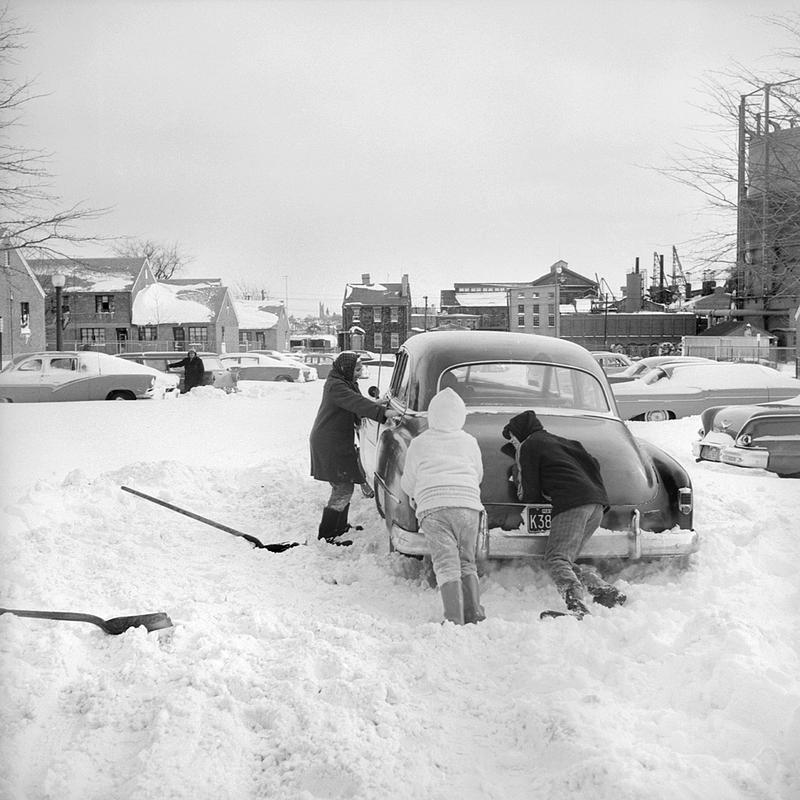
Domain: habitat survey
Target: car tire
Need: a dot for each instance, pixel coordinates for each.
(121, 396)
(657, 415)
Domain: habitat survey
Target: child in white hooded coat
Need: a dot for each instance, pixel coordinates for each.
(442, 476)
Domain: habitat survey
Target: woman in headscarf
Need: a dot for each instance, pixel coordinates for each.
(334, 457)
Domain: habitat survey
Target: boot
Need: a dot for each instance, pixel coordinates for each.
(573, 598)
(473, 610)
(329, 526)
(607, 596)
(452, 602)
(342, 525)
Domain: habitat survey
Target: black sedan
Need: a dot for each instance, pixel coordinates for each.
(498, 375)
(763, 436)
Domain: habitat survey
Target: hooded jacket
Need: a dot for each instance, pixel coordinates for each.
(443, 465)
(193, 370)
(554, 469)
(334, 457)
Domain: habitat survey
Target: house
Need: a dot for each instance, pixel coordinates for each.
(97, 299)
(262, 325)
(22, 305)
(376, 316)
(734, 340)
(183, 313)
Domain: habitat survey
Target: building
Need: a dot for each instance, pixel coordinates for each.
(262, 325)
(22, 305)
(375, 316)
(97, 299)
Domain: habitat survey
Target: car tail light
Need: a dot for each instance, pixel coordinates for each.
(685, 500)
(745, 440)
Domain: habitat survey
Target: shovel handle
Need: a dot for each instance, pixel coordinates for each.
(72, 616)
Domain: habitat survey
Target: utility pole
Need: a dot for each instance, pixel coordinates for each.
(425, 297)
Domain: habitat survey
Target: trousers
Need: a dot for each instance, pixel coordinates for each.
(569, 532)
(452, 536)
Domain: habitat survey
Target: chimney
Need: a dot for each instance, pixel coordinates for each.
(365, 279)
(404, 286)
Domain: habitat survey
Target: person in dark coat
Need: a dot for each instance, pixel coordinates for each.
(334, 457)
(561, 472)
(193, 370)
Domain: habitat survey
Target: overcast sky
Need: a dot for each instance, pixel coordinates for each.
(293, 146)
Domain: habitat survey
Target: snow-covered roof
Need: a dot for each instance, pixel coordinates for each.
(254, 315)
(476, 299)
(100, 275)
(162, 303)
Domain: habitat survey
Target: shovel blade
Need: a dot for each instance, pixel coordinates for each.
(153, 622)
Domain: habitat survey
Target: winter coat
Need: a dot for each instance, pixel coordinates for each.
(334, 457)
(193, 371)
(554, 469)
(443, 467)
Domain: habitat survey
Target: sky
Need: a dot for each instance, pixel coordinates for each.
(323, 673)
(294, 146)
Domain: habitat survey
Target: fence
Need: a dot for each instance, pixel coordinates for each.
(743, 349)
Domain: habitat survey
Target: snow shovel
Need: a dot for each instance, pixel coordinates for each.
(115, 625)
(278, 547)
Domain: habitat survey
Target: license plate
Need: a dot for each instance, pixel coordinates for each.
(710, 453)
(538, 519)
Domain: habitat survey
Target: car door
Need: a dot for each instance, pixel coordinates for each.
(63, 380)
(22, 384)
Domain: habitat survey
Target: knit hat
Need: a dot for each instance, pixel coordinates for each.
(446, 411)
(522, 426)
(345, 363)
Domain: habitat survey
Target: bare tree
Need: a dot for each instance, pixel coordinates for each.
(245, 290)
(165, 259)
(749, 176)
(31, 215)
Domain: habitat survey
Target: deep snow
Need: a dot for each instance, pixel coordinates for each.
(324, 672)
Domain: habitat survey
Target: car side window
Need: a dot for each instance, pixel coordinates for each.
(32, 365)
(400, 379)
(67, 364)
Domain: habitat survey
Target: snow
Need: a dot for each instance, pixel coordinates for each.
(323, 672)
(253, 315)
(161, 303)
(482, 299)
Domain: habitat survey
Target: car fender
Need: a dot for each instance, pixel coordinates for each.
(674, 478)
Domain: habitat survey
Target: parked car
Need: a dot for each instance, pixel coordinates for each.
(309, 372)
(612, 363)
(643, 365)
(765, 436)
(81, 375)
(682, 390)
(259, 367)
(499, 374)
(321, 362)
(215, 373)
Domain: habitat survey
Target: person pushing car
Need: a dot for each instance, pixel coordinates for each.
(560, 471)
(193, 369)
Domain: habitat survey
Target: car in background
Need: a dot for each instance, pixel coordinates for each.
(611, 363)
(215, 373)
(259, 367)
(309, 373)
(321, 362)
(765, 436)
(643, 365)
(683, 390)
(499, 375)
(67, 375)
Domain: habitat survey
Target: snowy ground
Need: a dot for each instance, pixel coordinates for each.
(323, 672)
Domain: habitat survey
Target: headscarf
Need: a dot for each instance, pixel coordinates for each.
(345, 365)
(522, 426)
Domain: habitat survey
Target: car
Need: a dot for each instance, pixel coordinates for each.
(612, 363)
(765, 436)
(309, 373)
(643, 365)
(215, 374)
(321, 362)
(500, 374)
(67, 375)
(259, 367)
(682, 390)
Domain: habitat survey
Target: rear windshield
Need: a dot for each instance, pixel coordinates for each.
(526, 386)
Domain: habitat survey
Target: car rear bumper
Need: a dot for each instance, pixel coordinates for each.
(716, 448)
(497, 544)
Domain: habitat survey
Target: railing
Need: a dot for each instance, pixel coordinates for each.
(785, 359)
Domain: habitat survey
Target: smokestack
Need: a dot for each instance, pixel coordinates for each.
(636, 268)
(365, 278)
(404, 286)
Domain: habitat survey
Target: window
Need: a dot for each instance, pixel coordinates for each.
(103, 303)
(520, 309)
(394, 312)
(395, 341)
(520, 320)
(24, 314)
(244, 337)
(520, 295)
(69, 364)
(148, 333)
(378, 340)
(376, 314)
(179, 335)
(198, 336)
(536, 322)
(551, 315)
(356, 314)
(93, 335)
(33, 365)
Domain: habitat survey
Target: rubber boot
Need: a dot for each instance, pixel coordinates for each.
(600, 590)
(342, 525)
(329, 527)
(473, 610)
(573, 598)
(452, 602)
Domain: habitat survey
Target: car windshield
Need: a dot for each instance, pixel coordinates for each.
(525, 385)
